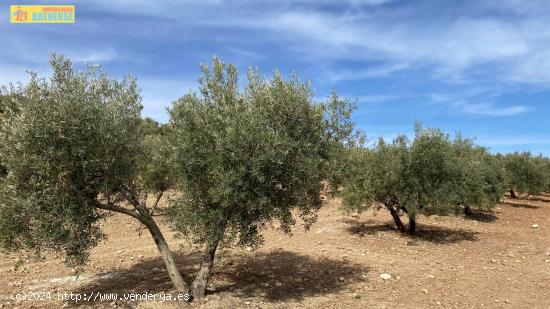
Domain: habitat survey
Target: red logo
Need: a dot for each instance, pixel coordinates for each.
(20, 15)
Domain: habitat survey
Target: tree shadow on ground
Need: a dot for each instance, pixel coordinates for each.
(540, 198)
(275, 276)
(147, 276)
(431, 233)
(284, 275)
(481, 216)
(519, 204)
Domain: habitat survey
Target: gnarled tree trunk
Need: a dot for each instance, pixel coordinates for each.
(412, 226)
(513, 194)
(396, 218)
(201, 281)
(143, 216)
(467, 210)
(176, 277)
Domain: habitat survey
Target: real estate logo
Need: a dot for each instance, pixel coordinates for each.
(64, 14)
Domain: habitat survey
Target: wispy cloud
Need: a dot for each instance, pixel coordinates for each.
(376, 72)
(93, 56)
(471, 101)
(514, 141)
(491, 109)
(445, 64)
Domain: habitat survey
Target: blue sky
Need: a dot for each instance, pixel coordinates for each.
(481, 67)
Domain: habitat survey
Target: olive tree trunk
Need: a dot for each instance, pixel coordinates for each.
(513, 194)
(412, 226)
(175, 276)
(143, 216)
(201, 281)
(396, 219)
(467, 210)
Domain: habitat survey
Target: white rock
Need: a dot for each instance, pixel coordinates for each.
(534, 226)
(385, 276)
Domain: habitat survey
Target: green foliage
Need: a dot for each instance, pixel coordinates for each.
(546, 169)
(342, 137)
(156, 172)
(525, 172)
(428, 173)
(376, 176)
(480, 177)
(8, 107)
(543, 165)
(431, 174)
(247, 158)
(151, 127)
(72, 142)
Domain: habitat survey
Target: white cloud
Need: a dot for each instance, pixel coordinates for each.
(478, 101)
(376, 72)
(92, 56)
(491, 109)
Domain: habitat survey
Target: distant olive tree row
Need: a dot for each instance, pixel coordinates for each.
(74, 147)
(434, 174)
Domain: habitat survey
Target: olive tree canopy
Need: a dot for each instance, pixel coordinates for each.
(430, 174)
(524, 174)
(74, 146)
(246, 158)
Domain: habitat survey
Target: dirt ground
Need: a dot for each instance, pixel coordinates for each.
(499, 259)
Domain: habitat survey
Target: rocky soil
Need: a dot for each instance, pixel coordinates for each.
(497, 259)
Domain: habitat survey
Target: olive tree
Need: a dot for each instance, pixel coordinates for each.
(523, 173)
(412, 177)
(74, 149)
(376, 177)
(479, 182)
(543, 164)
(245, 158)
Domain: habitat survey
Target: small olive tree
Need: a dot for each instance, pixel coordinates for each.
(523, 174)
(246, 158)
(74, 147)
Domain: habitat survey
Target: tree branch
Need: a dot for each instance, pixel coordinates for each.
(119, 209)
(132, 199)
(159, 196)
